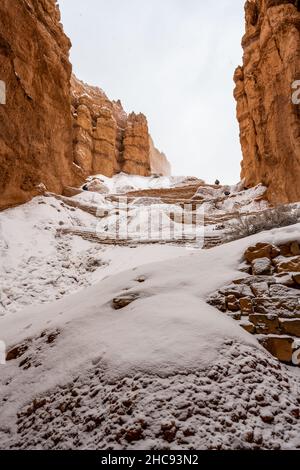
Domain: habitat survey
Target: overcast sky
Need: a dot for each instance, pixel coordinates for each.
(174, 61)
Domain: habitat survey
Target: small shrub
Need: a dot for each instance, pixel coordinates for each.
(250, 224)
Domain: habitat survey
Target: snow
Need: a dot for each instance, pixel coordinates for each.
(188, 373)
(168, 330)
(238, 200)
(37, 266)
(123, 182)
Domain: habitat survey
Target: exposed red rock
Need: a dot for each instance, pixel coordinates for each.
(269, 121)
(160, 165)
(54, 129)
(106, 140)
(36, 126)
(267, 302)
(98, 129)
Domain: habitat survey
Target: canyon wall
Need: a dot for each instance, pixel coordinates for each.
(55, 130)
(35, 122)
(269, 120)
(106, 140)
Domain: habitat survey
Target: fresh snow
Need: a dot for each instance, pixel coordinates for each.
(122, 182)
(37, 266)
(166, 371)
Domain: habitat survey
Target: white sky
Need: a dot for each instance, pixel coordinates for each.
(174, 61)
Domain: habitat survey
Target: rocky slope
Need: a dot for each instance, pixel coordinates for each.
(267, 303)
(269, 121)
(55, 130)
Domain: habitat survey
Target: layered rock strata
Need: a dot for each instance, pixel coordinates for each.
(55, 130)
(106, 140)
(35, 122)
(268, 110)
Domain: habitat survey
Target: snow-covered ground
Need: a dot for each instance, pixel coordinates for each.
(116, 347)
(39, 263)
(123, 183)
(165, 371)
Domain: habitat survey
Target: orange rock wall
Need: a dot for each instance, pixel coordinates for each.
(269, 121)
(55, 130)
(35, 122)
(106, 140)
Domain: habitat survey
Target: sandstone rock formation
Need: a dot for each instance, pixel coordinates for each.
(106, 140)
(35, 123)
(159, 163)
(269, 121)
(55, 130)
(98, 128)
(267, 303)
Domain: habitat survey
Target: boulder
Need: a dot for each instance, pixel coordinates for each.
(97, 186)
(261, 250)
(290, 249)
(260, 289)
(246, 306)
(296, 278)
(284, 307)
(123, 301)
(265, 324)
(291, 326)
(261, 266)
(280, 347)
(288, 265)
(232, 303)
(238, 290)
(295, 248)
(248, 326)
(218, 300)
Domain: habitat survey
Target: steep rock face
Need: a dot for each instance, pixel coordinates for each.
(269, 121)
(98, 129)
(35, 122)
(106, 140)
(55, 130)
(160, 165)
(136, 155)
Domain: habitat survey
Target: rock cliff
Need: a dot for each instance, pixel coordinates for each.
(106, 140)
(55, 130)
(160, 165)
(269, 120)
(35, 123)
